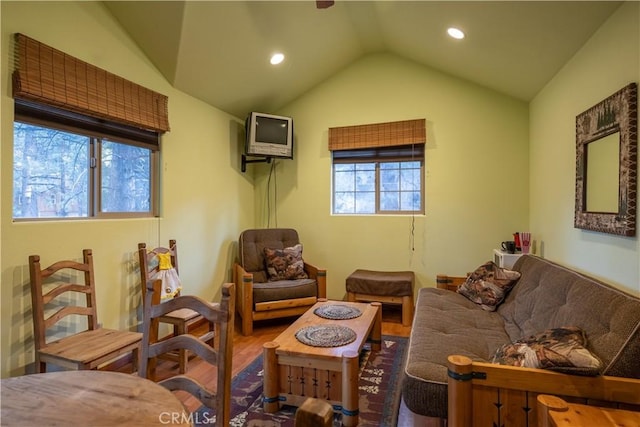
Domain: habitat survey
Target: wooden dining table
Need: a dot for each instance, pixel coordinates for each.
(88, 398)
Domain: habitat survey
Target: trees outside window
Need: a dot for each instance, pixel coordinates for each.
(61, 173)
(378, 187)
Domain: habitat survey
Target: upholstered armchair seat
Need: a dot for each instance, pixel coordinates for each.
(284, 289)
(259, 298)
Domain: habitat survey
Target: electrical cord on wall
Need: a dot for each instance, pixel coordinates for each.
(412, 233)
(275, 192)
(159, 217)
(269, 197)
(272, 172)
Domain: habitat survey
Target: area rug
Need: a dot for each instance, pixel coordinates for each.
(380, 381)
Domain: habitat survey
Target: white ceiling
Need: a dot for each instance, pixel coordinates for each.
(218, 51)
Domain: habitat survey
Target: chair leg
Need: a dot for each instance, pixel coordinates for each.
(183, 356)
(151, 368)
(135, 359)
(40, 367)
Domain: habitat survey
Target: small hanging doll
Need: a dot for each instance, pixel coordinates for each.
(167, 273)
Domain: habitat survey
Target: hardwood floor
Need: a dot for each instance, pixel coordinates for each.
(246, 349)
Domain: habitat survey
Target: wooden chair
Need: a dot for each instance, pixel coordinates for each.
(89, 348)
(182, 320)
(260, 299)
(222, 315)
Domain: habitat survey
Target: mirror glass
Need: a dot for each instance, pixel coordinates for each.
(603, 174)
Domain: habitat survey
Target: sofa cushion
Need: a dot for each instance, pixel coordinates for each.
(285, 264)
(559, 349)
(445, 323)
(549, 296)
(488, 285)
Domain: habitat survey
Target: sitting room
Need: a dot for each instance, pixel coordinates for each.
(410, 158)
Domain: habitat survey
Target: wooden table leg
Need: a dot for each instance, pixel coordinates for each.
(376, 330)
(350, 394)
(271, 387)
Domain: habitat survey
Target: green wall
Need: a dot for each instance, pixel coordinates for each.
(476, 173)
(494, 165)
(606, 63)
(205, 198)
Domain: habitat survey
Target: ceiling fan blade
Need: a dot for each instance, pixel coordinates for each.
(323, 4)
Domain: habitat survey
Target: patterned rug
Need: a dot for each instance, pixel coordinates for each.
(380, 380)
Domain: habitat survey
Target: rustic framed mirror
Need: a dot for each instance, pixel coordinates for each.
(607, 165)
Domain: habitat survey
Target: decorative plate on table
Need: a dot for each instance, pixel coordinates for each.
(337, 312)
(326, 335)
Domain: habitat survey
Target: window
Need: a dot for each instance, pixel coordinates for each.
(378, 168)
(86, 142)
(64, 171)
(365, 182)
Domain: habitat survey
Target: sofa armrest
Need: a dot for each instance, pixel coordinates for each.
(320, 276)
(450, 283)
(479, 390)
(244, 290)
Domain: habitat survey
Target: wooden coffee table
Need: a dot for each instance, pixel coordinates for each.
(294, 371)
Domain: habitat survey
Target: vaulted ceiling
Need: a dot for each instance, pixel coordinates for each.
(218, 51)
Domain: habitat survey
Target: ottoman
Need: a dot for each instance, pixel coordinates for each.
(395, 287)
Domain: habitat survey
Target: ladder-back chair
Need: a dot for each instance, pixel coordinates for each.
(222, 316)
(154, 264)
(89, 348)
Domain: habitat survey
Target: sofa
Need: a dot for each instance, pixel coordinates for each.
(545, 296)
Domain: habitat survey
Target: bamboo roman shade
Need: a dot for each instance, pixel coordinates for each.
(46, 75)
(391, 134)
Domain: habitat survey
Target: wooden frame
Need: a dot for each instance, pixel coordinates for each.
(250, 312)
(617, 113)
(449, 283)
(485, 394)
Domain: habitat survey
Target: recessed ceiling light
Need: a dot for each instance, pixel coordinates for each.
(455, 33)
(277, 58)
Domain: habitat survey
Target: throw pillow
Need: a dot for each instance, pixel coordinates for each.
(560, 349)
(285, 264)
(488, 285)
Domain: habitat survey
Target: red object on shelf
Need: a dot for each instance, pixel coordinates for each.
(516, 238)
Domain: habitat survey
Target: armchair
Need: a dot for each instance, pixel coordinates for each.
(258, 298)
